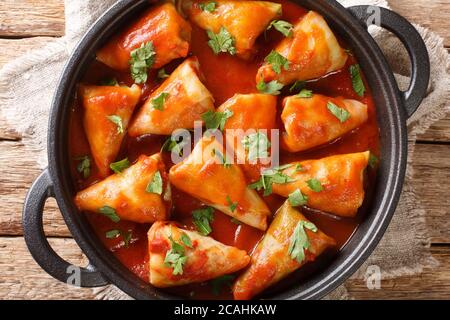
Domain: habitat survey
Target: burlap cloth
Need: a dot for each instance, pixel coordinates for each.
(27, 85)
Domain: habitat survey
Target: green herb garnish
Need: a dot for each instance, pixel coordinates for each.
(282, 26)
(273, 87)
(84, 167)
(299, 240)
(340, 113)
(305, 94)
(257, 145)
(158, 102)
(297, 86)
(373, 161)
(218, 283)
(119, 166)
(109, 82)
(271, 176)
(175, 258)
(216, 120)
(221, 42)
(315, 185)
(162, 74)
(156, 184)
(186, 240)
(277, 61)
(118, 122)
(126, 236)
(202, 219)
(232, 205)
(209, 6)
(141, 60)
(110, 213)
(357, 82)
(297, 198)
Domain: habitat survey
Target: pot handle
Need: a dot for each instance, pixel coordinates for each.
(411, 39)
(39, 247)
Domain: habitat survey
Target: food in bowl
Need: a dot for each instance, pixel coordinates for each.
(227, 209)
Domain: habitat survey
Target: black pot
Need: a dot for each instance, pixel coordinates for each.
(393, 108)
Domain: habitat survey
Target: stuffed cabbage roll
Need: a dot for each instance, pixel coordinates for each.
(107, 112)
(207, 174)
(169, 33)
(312, 52)
(139, 193)
(243, 21)
(179, 257)
(334, 184)
(311, 122)
(250, 111)
(177, 103)
(290, 242)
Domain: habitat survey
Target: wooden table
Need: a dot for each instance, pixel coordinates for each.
(27, 24)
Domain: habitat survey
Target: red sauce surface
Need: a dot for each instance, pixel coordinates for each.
(226, 75)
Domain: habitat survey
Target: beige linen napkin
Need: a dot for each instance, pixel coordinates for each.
(27, 85)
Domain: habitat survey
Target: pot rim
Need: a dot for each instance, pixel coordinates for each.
(336, 272)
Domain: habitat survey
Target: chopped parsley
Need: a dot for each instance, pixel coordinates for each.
(273, 87)
(221, 42)
(277, 61)
(340, 113)
(110, 213)
(202, 219)
(162, 74)
(297, 198)
(222, 158)
(218, 283)
(232, 205)
(175, 257)
(119, 166)
(269, 177)
(357, 82)
(299, 240)
(84, 167)
(156, 184)
(373, 160)
(315, 185)
(257, 145)
(209, 6)
(141, 60)
(158, 102)
(126, 236)
(109, 82)
(305, 93)
(297, 86)
(286, 28)
(171, 145)
(186, 240)
(216, 120)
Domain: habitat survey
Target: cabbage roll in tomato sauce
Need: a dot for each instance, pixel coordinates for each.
(334, 184)
(177, 103)
(162, 25)
(290, 242)
(312, 52)
(107, 112)
(243, 20)
(208, 175)
(311, 122)
(178, 256)
(140, 193)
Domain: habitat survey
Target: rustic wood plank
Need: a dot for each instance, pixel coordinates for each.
(432, 182)
(12, 48)
(22, 18)
(22, 278)
(438, 132)
(433, 284)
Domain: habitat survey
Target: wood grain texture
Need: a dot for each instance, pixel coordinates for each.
(25, 18)
(20, 277)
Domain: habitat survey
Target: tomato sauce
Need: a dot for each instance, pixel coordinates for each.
(224, 76)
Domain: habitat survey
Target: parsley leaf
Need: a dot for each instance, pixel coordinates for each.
(235, 221)
(156, 184)
(305, 94)
(208, 6)
(314, 185)
(119, 166)
(175, 257)
(297, 198)
(141, 60)
(109, 82)
(171, 145)
(118, 122)
(373, 160)
(218, 283)
(110, 213)
(202, 218)
(186, 240)
(297, 86)
(273, 87)
(158, 102)
(216, 120)
(299, 240)
(231, 204)
(112, 234)
(357, 82)
(257, 145)
(221, 42)
(162, 74)
(277, 61)
(84, 167)
(340, 113)
(126, 236)
(299, 167)
(269, 177)
(282, 26)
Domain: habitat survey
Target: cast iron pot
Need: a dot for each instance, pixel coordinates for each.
(393, 108)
